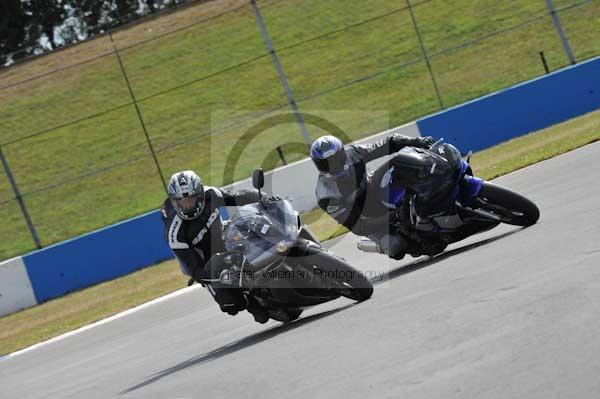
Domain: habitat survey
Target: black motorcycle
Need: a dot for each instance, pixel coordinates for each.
(469, 205)
(278, 261)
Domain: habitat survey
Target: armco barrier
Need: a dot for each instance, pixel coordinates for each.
(96, 257)
(518, 110)
(137, 243)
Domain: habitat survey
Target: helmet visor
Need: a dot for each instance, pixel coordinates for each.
(188, 206)
(334, 165)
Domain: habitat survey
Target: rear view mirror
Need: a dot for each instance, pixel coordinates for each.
(258, 178)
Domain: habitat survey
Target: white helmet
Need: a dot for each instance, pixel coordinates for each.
(186, 193)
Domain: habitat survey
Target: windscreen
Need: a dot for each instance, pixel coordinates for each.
(257, 229)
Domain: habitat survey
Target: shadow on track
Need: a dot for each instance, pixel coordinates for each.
(235, 346)
(282, 328)
(419, 264)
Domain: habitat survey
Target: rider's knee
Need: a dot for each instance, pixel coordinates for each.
(393, 245)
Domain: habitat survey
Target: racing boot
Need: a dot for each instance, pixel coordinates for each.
(433, 247)
(260, 313)
(414, 248)
(280, 315)
(393, 245)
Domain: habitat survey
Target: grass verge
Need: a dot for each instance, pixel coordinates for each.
(60, 315)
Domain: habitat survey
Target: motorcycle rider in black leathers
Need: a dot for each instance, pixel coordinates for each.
(346, 193)
(193, 230)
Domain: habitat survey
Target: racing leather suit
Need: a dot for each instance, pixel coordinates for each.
(353, 201)
(194, 242)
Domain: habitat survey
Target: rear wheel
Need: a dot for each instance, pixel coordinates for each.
(509, 206)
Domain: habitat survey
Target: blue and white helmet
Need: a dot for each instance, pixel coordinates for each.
(329, 156)
(186, 193)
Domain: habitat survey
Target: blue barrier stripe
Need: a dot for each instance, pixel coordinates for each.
(518, 110)
(514, 87)
(98, 256)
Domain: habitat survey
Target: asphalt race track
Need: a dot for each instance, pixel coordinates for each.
(510, 313)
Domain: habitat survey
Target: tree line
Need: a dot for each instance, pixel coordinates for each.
(29, 27)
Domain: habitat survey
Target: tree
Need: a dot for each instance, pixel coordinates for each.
(94, 15)
(13, 22)
(31, 26)
(126, 10)
(151, 5)
(45, 16)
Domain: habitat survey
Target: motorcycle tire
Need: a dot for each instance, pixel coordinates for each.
(348, 281)
(509, 206)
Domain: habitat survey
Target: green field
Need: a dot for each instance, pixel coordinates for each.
(195, 114)
(88, 305)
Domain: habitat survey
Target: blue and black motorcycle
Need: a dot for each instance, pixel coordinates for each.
(446, 202)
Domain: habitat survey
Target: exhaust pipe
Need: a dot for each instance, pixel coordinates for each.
(367, 245)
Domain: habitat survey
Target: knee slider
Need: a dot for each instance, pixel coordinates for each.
(393, 245)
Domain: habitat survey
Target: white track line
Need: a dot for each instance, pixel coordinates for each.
(100, 322)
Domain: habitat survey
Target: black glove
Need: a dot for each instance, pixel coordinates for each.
(400, 140)
(424, 142)
(236, 256)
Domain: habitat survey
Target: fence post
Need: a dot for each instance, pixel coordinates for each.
(15, 188)
(560, 32)
(282, 78)
(139, 114)
(281, 156)
(544, 62)
(424, 50)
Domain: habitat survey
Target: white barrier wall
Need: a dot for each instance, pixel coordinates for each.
(16, 292)
(297, 181)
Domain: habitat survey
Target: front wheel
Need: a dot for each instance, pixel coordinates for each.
(509, 206)
(345, 279)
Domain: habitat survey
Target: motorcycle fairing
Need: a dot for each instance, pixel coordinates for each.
(391, 194)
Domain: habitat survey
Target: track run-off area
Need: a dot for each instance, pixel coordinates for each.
(509, 313)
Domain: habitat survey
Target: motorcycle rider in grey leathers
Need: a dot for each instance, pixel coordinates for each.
(353, 199)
